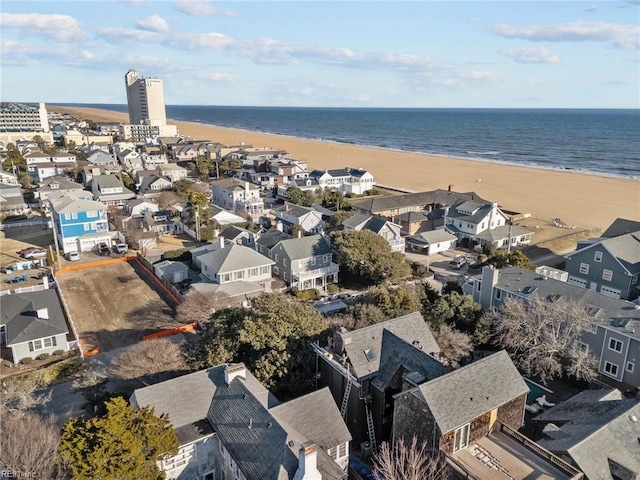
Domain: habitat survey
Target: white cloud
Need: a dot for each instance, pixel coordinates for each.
(618, 35)
(200, 8)
(154, 23)
(591, 9)
(63, 28)
(221, 77)
(530, 55)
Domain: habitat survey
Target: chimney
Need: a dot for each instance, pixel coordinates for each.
(234, 370)
(45, 282)
(308, 463)
(42, 313)
(246, 189)
(221, 239)
(299, 234)
(279, 225)
(450, 188)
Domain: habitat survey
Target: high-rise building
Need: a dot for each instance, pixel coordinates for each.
(23, 121)
(145, 97)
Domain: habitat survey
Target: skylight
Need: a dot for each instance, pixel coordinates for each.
(370, 354)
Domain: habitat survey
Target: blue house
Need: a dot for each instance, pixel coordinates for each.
(80, 222)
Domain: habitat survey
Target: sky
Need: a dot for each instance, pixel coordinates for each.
(431, 54)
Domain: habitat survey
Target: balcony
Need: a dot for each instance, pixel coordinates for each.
(317, 273)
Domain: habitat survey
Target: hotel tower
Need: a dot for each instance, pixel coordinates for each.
(145, 97)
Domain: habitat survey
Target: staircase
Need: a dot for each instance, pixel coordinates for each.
(370, 428)
(345, 399)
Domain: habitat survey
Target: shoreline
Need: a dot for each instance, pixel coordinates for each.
(413, 152)
(580, 198)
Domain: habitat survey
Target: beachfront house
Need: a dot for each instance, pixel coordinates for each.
(344, 180)
(237, 196)
(432, 242)
(615, 336)
(235, 428)
(484, 223)
(610, 266)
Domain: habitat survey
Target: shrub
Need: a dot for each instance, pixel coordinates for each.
(181, 254)
(43, 356)
(308, 294)
(26, 360)
(333, 288)
(58, 352)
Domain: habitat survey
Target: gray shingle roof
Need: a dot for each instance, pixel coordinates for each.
(20, 319)
(234, 257)
(477, 389)
(479, 210)
(437, 197)
(411, 328)
(398, 354)
(613, 310)
(356, 220)
(67, 203)
(431, 237)
(626, 248)
(306, 247)
(271, 237)
(621, 226)
(594, 428)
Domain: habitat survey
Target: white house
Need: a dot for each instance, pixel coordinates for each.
(306, 218)
(344, 180)
(173, 171)
(237, 196)
(432, 242)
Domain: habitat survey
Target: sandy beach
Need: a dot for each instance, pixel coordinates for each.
(580, 199)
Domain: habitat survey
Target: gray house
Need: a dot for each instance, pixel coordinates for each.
(379, 225)
(615, 336)
(597, 431)
(32, 324)
(306, 218)
(230, 426)
(365, 368)
(611, 266)
(304, 262)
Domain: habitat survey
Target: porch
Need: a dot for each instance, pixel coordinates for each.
(318, 278)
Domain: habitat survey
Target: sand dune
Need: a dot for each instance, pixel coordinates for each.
(580, 199)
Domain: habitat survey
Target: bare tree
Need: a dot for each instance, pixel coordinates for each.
(29, 446)
(19, 395)
(198, 307)
(168, 198)
(544, 337)
(148, 359)
(453, 344)
(408, 462)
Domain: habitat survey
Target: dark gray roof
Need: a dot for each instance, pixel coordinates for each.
(295, 210)
(397, 354)
(464, 394)
(621, 226)
(187, 399)
(501, 233)
(59, 182)
(460, 210)
(411, 328)
(271, 237)
(626, 248)
(595, 427)
(356, 220)
(411, 217)
(306, 247)
(612, 310)
(421, 199)
(21, 321)
(232, 232)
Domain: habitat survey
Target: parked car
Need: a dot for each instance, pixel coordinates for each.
(103, 249)
(37, 253)
(458, 262)
(72, 256)
(27, 250)
(122, 247)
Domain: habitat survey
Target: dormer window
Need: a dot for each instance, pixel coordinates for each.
(598, 257)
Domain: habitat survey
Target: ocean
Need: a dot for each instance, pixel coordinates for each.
(605, 142)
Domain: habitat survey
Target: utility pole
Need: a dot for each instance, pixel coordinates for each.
(197, 222)
(55, 238)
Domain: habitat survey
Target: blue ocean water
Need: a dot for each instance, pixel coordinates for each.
(599, 141)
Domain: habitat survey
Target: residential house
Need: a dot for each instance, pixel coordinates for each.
(484, 223)
(224, 217)
(43, 165)
(170, 271)
(269, 239)
(139, 206)
(79, 223)
(365, 368)
(32, 324)
(160, 222)
(173, 171)
(388, 230)
(432, 242)
(11, 200)
(620, 226)
(305, 218)
(185, 152)
(344, 180)
(153, 185)
(596, 431)
(100, 157)
(154, 160)
(110, 190)
(424, 202)
(59, 183)
(610, 266)
(130, 159)
(306, 184)
(413, 222)
(235, 428)
(237, 196)
(90, 171)
(8, 178)
(471, 416)
(615, 336)
(304, 262)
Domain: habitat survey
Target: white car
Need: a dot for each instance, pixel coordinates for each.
(71, 256)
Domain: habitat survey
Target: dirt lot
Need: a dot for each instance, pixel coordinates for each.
(113, 305)
(13, 240)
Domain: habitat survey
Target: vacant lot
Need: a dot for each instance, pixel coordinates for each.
(114, 305)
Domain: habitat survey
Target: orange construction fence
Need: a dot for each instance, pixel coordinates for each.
(98, 263)
(171, 331)
(95, 351)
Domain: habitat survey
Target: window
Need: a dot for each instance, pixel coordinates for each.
(42, 343)
(478, 285)
(598, 257)
(461, 438)
(277, 257)
(276, 270)
(92, 213)
(583, 346)
(630, 366)
(615, 345)
(498, 294)
(607, 275)
(285, 276)
(313, 260)
(86, 227)
(584, 268)
(325, 258)
(67, 216)
(284, 262)
(74, 215)
(634, 279)
(611, 369)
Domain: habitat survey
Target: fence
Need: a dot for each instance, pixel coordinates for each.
(171, 290)
(171, 331)
(22, 224)
(98, 263)
(73, 327)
